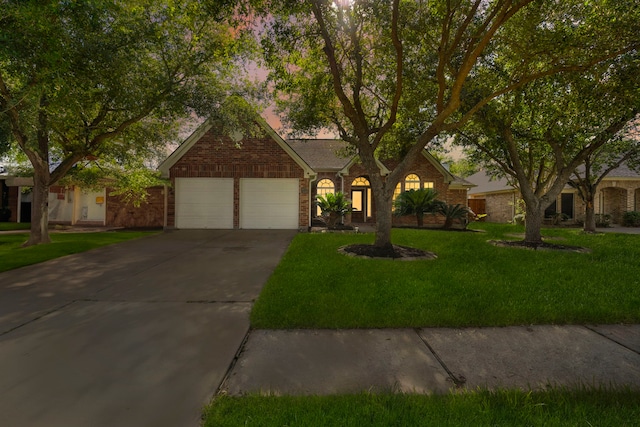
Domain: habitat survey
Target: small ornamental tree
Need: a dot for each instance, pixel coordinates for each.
(454, 212)
(334, 207)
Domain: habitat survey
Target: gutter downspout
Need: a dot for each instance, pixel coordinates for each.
(312, 179)
(19, 207)
(341, 176)
(166, 206)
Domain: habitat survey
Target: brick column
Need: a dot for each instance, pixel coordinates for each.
(631, 193)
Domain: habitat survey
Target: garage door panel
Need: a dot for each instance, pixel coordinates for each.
(269, 203)
(204, 203)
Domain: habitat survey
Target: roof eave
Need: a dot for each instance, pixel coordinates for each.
(177, 154)
(168, 163)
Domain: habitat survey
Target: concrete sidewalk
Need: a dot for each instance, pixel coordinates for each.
(306, 362)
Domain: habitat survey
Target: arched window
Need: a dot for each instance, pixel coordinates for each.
(412, 182)
(360, 181)
(324, 187)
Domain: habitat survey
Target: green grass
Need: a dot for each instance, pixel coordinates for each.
(472, 283)
(481, 408)
(13, 255)
(10, 226)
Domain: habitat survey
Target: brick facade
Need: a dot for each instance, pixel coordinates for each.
(422, 167)
(13, 203)
(216, 156)
(150, 214)
(500, 207)
(617, 197)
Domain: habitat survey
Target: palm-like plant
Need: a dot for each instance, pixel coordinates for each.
(334, 206)
(417, 202)
(453, 212)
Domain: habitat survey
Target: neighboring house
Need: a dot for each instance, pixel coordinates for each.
(494, 197)
(618, 192)
(266, 182)
(73, 205)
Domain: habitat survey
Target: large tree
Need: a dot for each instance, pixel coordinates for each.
(539, 135)
(106, 78)
(382, 72)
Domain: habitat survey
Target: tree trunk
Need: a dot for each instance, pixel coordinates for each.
(589, 217)
(39, 213)
(420, 219)
(383, 221)
(448, 223)
(533, 224)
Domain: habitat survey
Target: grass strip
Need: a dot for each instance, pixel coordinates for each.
(556, 407)
(13, 255)
(11, 226)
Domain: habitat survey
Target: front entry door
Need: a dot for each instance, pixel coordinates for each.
(359, 205)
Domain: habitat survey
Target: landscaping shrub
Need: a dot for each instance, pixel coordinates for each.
(603, 220)
(334, 207)
(454, 212)
(417, 202)
(631, 219)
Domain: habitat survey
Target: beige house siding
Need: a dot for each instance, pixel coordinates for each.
(615, 197)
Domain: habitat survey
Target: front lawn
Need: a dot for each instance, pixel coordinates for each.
(481, 408)
(13, 255)
(472, 283)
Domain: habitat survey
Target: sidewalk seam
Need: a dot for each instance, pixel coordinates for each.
(611, 339)
(457, 381)
(232, 365)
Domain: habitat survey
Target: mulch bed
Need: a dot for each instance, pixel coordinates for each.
(395, 252)
(544, 246)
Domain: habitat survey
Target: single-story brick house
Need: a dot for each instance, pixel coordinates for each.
(618, 193)
(263, 181)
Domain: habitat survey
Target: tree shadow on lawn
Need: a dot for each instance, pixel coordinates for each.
(405, 253)
(543, 246)
(397, 252)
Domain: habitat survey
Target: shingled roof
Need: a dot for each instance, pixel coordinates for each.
(321, 154)
(325, 155)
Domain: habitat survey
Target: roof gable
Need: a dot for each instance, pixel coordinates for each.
(485, 183)
(188, 143)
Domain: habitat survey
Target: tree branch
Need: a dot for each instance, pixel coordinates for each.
(329, 51)
(535, 76)
(397, 44)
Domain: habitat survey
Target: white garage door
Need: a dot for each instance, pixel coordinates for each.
(204, 202)
(269, 203)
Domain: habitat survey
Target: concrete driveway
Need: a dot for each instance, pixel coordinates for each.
(135, 334)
